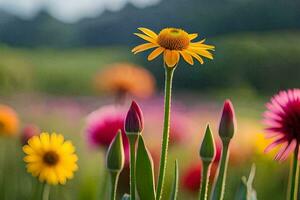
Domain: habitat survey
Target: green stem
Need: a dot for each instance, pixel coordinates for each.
(46, 192)
(166, 129)
(294, 175)
(219, 187)
(204, 180)
(132, 141)
(114, 177)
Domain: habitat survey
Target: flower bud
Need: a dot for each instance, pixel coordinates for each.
(134, 122)
(228, 122)
(115, 157)
(208, 149)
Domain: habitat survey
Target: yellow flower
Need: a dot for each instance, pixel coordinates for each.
(173, 42)
(50, 158)
(9, 121)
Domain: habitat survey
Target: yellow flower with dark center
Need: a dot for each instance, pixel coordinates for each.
(9, 121)
(173, 43)
(50, 158)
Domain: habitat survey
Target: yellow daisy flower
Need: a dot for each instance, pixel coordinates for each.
(173, 42)
(50, 158)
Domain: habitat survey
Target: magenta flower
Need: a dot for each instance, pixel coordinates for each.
(283, 122)
(103, 125)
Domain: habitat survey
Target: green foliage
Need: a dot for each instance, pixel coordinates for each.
(174, 190)
(144, 172)
(241, 64)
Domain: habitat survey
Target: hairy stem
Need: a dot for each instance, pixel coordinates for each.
(132, 141)
(204, 180)
(219, 187)
(114, 177)
(294, 176)
(166, 129)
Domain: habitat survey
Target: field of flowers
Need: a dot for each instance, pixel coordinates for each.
(61, 139)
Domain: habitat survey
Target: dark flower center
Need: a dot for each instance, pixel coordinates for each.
(292, 120)
(50, 158)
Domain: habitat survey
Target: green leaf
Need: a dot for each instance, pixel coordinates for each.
(246, 191)
(126, 197)
(144, 172)
(175, 183)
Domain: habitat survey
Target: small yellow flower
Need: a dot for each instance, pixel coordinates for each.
(9, 121)
(50, 158)
(173, 42)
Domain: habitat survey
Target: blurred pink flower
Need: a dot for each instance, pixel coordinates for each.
(282, 119)
(191, 177)
(28, 132)
(102, 126)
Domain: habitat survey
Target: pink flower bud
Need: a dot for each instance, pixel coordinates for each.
(228, 122)
(134, 122)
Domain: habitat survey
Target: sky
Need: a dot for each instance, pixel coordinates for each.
(68, 10)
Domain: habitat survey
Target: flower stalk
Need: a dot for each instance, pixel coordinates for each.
(134, 125)
(294, 176)
(46, 192)
(219, 187)
(115, 162)
(227, 128)
(207, 154)
(169, 71)
(132, 142)
(114, 177)
(204, 180)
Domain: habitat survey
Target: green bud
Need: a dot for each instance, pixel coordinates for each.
(208, 149)
(115, 157)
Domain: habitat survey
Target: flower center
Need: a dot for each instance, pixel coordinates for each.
(50, 158)
(173, 39)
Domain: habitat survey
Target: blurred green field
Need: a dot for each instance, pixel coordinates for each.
(242, 61)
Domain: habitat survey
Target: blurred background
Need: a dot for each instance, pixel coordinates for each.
(62, 60)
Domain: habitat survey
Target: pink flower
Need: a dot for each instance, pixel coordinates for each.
(282, 119)
(103, 124)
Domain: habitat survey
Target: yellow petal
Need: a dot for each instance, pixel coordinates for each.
(145, 37)
(143, 47)
(148, 32)
(193, 36)
(155, 53)
(202, 52)
(204, 46)
(195, 56)
(171, 57)
(187, 57)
